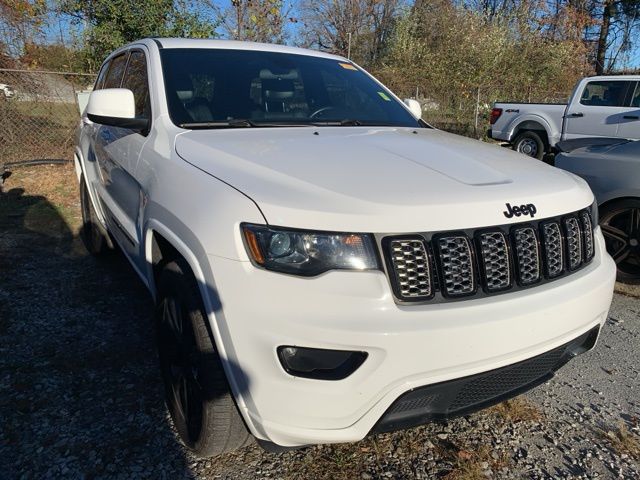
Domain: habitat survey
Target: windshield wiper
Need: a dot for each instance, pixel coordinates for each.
(240, 123)
(347, 122)
(243, 123)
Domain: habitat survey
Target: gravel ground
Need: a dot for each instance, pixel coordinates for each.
(80, 392)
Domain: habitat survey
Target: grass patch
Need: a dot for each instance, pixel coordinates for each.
(473, 464)
(622, 440)
(517, 410)
(56, 206)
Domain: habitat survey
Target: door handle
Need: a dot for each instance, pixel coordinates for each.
(631, 117)
(576, 115)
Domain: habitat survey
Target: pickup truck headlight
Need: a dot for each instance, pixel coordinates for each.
(308, 253)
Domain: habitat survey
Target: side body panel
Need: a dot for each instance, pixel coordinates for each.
(589, 119)
(611, 173)
(528, 116)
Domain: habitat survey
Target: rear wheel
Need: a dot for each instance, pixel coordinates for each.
(620, 223)
(198, 396)
(94, 236)
(530, 143)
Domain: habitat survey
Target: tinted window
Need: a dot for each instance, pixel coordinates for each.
(116, 71)
(135, 79)
(635, 99)
(607, 94)
(215, 85)
(101, 76)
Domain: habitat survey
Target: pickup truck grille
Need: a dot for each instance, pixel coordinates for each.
(446, 266)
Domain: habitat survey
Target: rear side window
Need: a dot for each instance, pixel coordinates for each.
(607, 94)
(101, 76)
(116, 71)
(136, 80)
(635, 100)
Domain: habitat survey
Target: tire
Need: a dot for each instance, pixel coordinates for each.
(197, 393)
(94, 236)
(620, 224)
(530, 143)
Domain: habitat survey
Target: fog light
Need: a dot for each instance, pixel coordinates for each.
(320, 364)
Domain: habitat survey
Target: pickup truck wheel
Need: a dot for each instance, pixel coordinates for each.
(94, 236)
(620, 223)
(198, 396)
(531, 144)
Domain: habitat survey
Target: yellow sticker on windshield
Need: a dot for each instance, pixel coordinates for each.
(348, 66)
(384, 96)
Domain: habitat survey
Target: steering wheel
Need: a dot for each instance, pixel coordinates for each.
(321, 110)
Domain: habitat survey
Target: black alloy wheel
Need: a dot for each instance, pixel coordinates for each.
(620, 225)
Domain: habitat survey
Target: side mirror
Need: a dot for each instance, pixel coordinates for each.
(414, 107)
(115, 107)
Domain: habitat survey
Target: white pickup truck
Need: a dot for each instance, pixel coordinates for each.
(599, 107)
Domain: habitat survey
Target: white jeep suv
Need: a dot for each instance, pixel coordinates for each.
(325, 264)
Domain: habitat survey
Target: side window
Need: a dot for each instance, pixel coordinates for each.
(116, 71)
(635, 99)
(607, 94)
(103, 73)
(136, 80)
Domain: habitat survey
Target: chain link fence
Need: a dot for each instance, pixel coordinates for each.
(39, 111)
(39, 114)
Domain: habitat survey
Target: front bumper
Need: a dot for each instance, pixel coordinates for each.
(408, 346)
(464, 395)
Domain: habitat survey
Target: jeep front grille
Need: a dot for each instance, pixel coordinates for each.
(411, 267)
(445, 266)
(574, 242)
(553, 251)
(494, 259)
(456, 264)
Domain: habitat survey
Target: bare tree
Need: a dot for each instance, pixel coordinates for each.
(341, 26)
(254, 20)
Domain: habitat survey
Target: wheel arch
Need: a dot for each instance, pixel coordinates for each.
(538, 125)
(81, 175)
(162, 244)
(612, 200)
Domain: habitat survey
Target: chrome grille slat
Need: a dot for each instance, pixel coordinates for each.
(456, 262)
(448, 266)
(574, 242)
(412, 268)
(587, 232)
(495, 260)
(527, 255)
(553, 251)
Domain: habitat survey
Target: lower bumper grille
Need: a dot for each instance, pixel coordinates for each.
(464, 395)
(448, 266)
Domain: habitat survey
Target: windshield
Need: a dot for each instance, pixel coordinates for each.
(208, 88)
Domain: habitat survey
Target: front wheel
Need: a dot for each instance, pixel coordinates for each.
(198, 396)
(530, 143)
(620, 224)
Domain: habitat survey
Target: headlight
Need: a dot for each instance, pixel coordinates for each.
(308, 253)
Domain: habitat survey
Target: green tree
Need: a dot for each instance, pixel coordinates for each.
(112, 23)
(20, 23)
(56, 57)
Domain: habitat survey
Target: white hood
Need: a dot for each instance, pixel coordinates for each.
(382, 180)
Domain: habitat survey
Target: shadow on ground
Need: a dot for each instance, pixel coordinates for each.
(80, 390)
